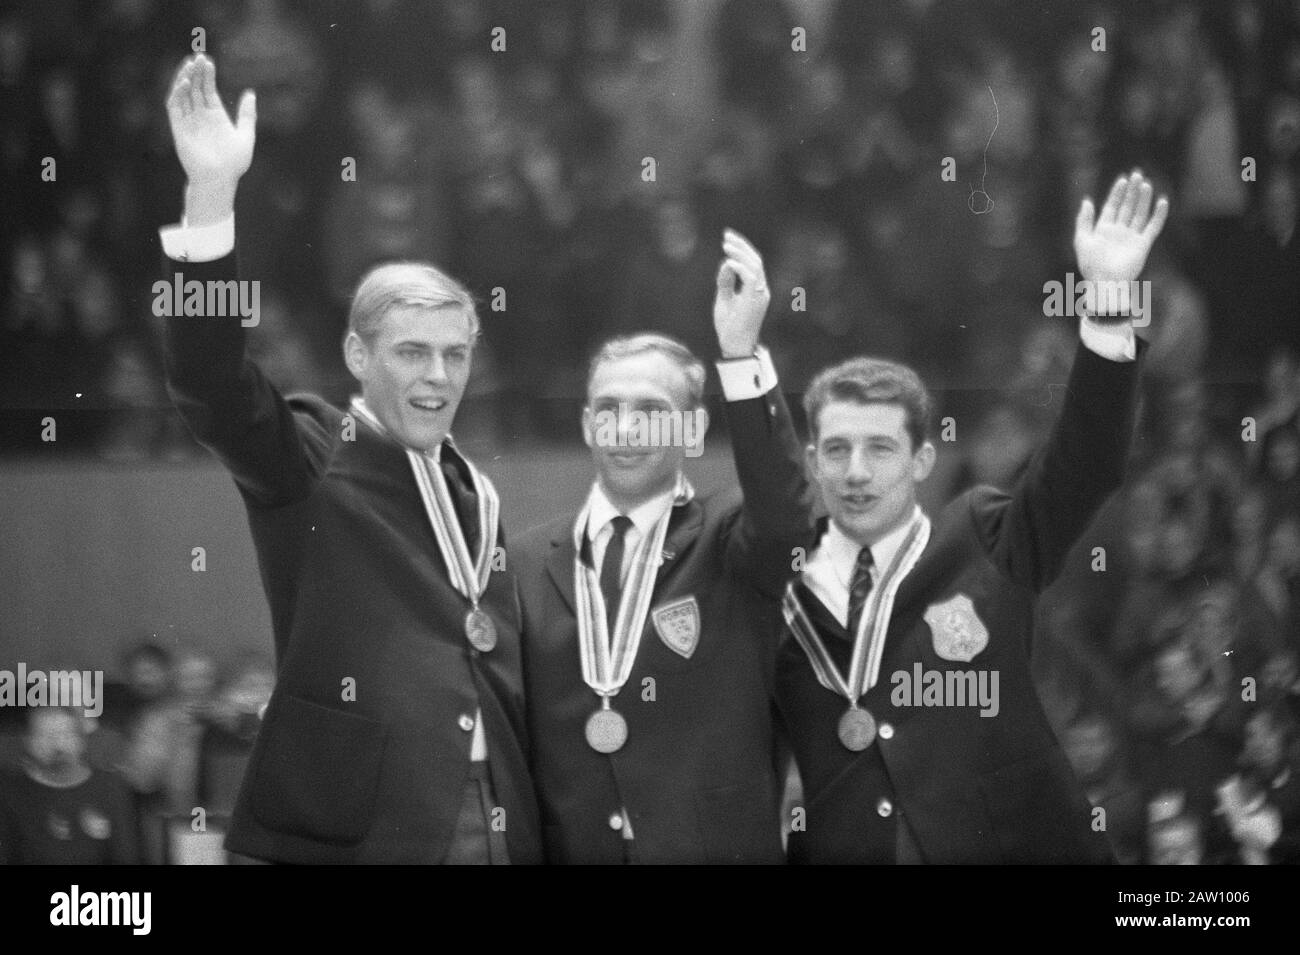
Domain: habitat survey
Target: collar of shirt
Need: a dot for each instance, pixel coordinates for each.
(370, 418)
(643, 517)
(829, 572)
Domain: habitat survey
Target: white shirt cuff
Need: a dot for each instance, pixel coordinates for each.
(205, 243)
(746, 378)
(1116, 342)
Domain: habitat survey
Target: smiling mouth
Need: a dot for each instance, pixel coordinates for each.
(428, 404)
(627, 457)
(859, 501)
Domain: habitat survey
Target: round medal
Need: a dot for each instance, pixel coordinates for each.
(606, 731)
(480, 629)
(857, 729)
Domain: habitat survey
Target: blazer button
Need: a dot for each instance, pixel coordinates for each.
(466, 722)
(886, 731)
(885, 808)
(616, 821)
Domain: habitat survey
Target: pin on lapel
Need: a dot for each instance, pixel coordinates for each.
(667, 556)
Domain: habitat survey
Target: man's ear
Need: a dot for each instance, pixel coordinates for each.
(588, 427)
(923, 462)
(810, 460)
(355, 355)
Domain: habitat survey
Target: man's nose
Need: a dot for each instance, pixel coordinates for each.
(435, 370)
(859, 469)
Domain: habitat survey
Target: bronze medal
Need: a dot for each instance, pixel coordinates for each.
(480, 630)
(857, 729)
(606, 731)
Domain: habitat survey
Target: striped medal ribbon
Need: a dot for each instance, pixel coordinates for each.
(607, 664)
(468, 573)
(857, 727)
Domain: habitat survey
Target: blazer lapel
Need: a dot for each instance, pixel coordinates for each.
(559, 564)
(683, 531)
(821, 618)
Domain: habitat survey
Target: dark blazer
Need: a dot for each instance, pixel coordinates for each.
(697, 774)
(358, 591)
(966, 787)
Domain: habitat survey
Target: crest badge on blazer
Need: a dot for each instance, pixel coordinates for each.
(678, 625)
(958, 632)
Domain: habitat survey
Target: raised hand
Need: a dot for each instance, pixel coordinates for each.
(742, 298)
(214, 152)
(1113, 247)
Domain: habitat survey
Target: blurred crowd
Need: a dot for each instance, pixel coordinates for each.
(1170, 647)
(524, 170)
(151, 779)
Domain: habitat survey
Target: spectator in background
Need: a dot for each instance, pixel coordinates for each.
(228, 736)
(824, 304)
(671, 283)
(272, 49)
(1280, 476)
(60, 811)
(1174, 837)
(1187, 720)
(1281, 402)
(1278, 580)
(1262, 802)
(393, 205)
(162, 756)
(1095, 751)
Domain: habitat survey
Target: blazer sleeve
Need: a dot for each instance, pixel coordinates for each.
(1028, 532)
(231, 407)
(776, 514)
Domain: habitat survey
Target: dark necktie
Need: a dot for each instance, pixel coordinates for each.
(611, 569)
(461, 486)
(860, 588)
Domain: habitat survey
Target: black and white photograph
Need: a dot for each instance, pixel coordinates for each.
(651, 432)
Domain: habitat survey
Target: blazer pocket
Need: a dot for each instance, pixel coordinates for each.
(317, 772)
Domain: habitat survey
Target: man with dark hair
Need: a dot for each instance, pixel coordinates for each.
(906, 683)
(395, 732)
(650, 620)
(58, 810)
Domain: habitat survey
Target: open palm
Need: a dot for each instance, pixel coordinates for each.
(1113, 247)
(210, 147)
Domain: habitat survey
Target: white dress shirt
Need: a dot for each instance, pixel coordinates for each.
(829, 571)
(600, 527)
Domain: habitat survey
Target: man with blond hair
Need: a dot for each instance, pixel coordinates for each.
(396, 729)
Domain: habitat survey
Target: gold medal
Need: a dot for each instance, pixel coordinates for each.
(606, 730)
(480, 630)
(857, 729)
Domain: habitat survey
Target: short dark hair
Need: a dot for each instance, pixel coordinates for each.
(870, 381)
